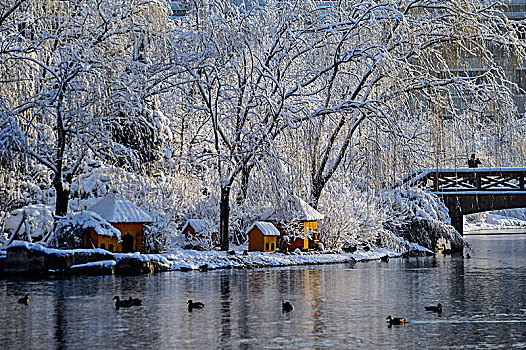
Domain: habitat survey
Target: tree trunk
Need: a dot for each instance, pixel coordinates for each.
(245, 178)
(319, 180)
(224, 209)
(317, 188)
(62, 198)
(61, 194)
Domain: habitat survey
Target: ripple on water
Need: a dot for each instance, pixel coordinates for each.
(335, 307)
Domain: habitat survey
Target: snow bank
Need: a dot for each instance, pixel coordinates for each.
(99, 261)
(194, 260)
(496, 220)
(103, 263)
(53, 251)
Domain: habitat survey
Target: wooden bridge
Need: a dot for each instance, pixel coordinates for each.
(472, 190)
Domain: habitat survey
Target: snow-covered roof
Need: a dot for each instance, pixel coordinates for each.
(304, 211)
(199, 226)
(91, 220)
(114, 208)
(266, 228)
(293, 208)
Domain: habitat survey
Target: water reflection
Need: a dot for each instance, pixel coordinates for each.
(225, 309)
(336, 306)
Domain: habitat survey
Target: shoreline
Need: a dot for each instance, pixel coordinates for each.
(23, 258)
(496, 231)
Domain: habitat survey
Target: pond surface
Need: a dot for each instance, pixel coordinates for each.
(340, 306)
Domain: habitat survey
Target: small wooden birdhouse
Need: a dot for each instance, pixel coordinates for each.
(298, 223)
(263, 237)
(126, 217)
(199, 234)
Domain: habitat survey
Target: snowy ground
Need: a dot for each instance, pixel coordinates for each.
(502, 220)
(182, 259)
(192, 260)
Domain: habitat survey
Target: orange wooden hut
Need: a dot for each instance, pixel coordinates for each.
(126, 217)
(199, 234)
(298, 223)
(263, 237)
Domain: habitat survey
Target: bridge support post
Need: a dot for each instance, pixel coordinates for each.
(458, 223)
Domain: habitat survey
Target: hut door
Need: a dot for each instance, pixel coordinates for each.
(127, 243)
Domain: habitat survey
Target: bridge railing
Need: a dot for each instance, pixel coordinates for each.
(468, 179)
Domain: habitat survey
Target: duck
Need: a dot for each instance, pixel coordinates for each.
(385, 258)
(135, 302)
(286, 306)
(24, 300)
(121, 303)
(194, 305)
(395, 321)
(437, 308)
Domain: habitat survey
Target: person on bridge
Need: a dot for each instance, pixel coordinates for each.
(474, 162)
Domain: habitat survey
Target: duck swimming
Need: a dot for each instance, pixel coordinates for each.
(395, 321)
(286, 306)
(437, 308)
(135, 302)
(121, 303)
(24, 300)
(195, 305)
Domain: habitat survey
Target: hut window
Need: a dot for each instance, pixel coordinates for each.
(272, 246)
(110, 247)
(266, 246)
(102, 246)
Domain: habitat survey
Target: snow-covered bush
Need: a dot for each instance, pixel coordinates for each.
(159, 236)
(389, 240)
(355, 217)
(203, 241)
(70, 230)
(33, 221)
(291, 231)
(203, 237)
(419, 217)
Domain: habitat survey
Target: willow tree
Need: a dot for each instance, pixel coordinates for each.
(400, 70)
(75, 77)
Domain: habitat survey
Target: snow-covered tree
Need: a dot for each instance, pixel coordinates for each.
(418, 216)
(250, 73)
(79, 78)
(392, 76)
(241, 70)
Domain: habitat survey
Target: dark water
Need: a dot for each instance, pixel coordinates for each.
(336, 306)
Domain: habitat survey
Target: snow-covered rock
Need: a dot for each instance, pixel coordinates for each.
(28, 258)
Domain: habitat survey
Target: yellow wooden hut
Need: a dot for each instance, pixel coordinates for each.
(263, 237)
(199, 234)
(307, 218)
(298, 223)
(126, 217)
